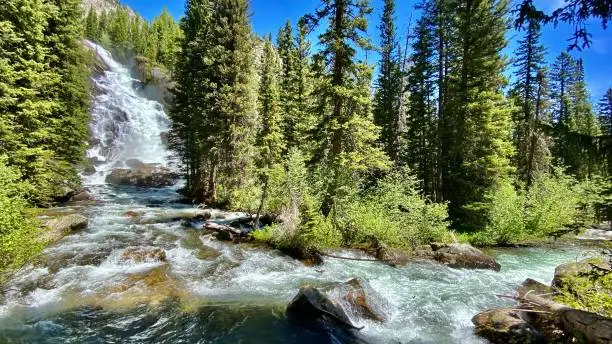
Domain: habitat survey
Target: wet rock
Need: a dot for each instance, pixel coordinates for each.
(310, 305)
(546, 323)
(81, 196)
(134, 163)
(463, 256)
(62, 226)
(582, 268)
(533, 286)
(361, 300)
(505, 326)
(150, 175)
(143, 254)
(392, 256)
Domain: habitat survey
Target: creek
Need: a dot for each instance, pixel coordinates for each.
(85, 290)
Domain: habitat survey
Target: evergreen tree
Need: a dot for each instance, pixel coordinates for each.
(605, 112)
(92, 28)
(215, 106)
(388, 92)
(165, 34)
(561, 76)
(533, 152)
(303, 74)
(345, 142)
(289, 83)
(477, 116)
(422, 146)
(270, 138)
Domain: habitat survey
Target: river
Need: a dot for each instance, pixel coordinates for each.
(84, 290)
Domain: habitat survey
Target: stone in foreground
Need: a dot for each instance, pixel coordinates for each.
(505, 326)
(62, 226)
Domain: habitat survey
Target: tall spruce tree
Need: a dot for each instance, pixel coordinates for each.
(421, 127)
(214, 109)
(345, 141)
(479, 142)
(605, 112)
(270, 141)
(533, 156)
(388, 85)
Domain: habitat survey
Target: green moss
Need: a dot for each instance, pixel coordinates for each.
(590, 292)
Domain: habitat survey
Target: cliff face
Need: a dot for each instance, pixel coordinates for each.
(104, 6)
(100, 5)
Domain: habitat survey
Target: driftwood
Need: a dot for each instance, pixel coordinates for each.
(585, 326)
(216, 227)
(349, 258)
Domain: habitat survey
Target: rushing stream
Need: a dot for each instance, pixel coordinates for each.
(86, 290)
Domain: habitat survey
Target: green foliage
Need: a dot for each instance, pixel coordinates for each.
(590, 292)
(19, 229)
(394, 212)
(44, 103)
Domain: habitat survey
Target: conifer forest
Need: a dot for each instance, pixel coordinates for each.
(187, 178)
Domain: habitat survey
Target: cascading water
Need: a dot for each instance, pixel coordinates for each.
(125, 125)
(94, 286)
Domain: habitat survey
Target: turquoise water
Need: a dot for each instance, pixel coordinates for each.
(211, 292)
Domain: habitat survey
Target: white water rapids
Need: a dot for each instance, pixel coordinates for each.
(83, 291)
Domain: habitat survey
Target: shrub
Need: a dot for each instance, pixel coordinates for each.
(552, 203)
(19, 229)
(505, 216)
(395, 213)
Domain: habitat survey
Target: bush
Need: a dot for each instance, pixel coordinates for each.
(552, 203)
(505, 216)
(19, 229)
(394, 212)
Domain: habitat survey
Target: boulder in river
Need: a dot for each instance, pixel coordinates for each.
(506, 326)
(577, 269)
(313, 310)
(62, 226)
(149, 175)
(463, 256)
(81, 196)
(361, 300)
(143, 254)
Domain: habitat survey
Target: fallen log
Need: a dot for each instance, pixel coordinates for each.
(585, 326)
(216, 227)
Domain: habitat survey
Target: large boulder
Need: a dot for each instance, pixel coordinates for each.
(463, 256)
(148, 175)
(61, 226)
(391, 256)
(578, 269)
(315, 312)
(360, 300)
(505, 326)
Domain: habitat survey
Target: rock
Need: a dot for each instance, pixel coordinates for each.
(359, 299)
(533, 286)
(463, 256)
(143, 254)
(391, 256)
(149, 175)
(505, 326)
(311, 305)
(576, 269)
(546, 323)
(62, 226)
(133, 214)
(81, 196)
(135, 163)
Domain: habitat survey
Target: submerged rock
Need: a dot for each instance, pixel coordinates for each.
(62, 226)
(360, 300)
(149, 175)
(506, 326)
(143, 254)
(463, 256)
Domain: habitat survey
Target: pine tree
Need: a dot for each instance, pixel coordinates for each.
(215, 106)
(288, 83)
(422, 143)
(165, 34)
(605, 112)
(533, 151)
(479, 141)
(270, 138)
(119, 31)
(345, 142)
(303, 75)
(92, 28)
(584, 116)
(561, 76)
(388, 92)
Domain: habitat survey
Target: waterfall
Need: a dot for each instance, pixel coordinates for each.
(125, 125)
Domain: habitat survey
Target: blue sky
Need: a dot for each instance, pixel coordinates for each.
(269, 15)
